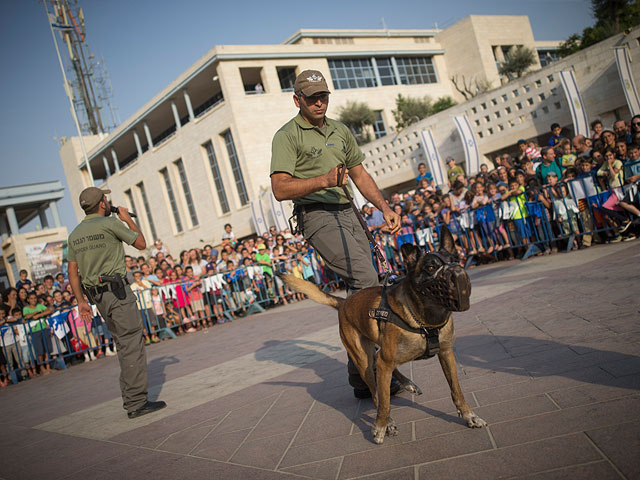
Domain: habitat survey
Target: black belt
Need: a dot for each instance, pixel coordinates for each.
(107, 287)
(330, 207)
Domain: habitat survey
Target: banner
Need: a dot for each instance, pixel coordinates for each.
(626, 78)
(279, 215)
(259, 219)
(358, 198)
(576, 105)
(433, 158)
(45, 259)
(469, 143)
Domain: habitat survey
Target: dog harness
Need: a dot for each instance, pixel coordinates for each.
(384, 313)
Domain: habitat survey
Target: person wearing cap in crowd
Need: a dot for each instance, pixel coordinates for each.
(95, 249)
(306, 154)
(374, 218)
(453, 171)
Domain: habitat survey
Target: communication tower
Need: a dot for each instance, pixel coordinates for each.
(87, 82)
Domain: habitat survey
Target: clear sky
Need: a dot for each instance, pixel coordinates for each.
(147, 44)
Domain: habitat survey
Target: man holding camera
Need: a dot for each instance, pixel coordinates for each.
(96, 266)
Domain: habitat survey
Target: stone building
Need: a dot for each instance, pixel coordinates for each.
(193, 157)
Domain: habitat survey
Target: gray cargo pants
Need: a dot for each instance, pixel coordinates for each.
(339, 239)
(125, 325)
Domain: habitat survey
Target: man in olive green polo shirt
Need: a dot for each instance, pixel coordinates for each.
(95, 249)
(306, 154)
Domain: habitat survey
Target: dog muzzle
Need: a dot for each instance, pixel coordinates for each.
(450, 287)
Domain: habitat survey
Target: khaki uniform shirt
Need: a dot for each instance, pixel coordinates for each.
(305, 151)
(96, 245)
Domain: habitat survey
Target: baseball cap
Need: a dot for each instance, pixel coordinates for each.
(91, 196)
(521, 141)
(261, 246)
(310, 82)
(552, 173)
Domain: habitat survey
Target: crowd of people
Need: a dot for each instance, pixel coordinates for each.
(567, 194)
(571, 192)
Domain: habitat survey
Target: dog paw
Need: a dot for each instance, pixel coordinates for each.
(378, 434)
(392, 429)
(412, 388)
(474, 421)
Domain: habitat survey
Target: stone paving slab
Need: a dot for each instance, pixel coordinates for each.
(548, 355)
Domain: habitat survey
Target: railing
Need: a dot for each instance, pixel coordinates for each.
(535, 220)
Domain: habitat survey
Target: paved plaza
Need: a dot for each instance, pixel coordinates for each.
(548, 355)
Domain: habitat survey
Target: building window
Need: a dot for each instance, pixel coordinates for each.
(379, 128)
(547, 57)
(145, 203)
(352, 73)
(217, 178)
(235, 167)
(287, 77)
(187, 192)
(132, 205)
(252, 80)
(416, 70)
(385, 71)
(172, 199)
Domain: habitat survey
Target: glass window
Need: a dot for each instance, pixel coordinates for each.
(235, 167)
(287, 77)
(187, 192)
(416, 70)
(217, 178)
(145, 202)
(379, 128)
(352, 73)
(172, 199)
(132, 205)
(385, 71)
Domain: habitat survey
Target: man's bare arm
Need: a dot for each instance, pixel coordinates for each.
(286, 187)
(74, 279)
(140, 242)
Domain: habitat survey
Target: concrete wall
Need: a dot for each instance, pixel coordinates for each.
(535, 102)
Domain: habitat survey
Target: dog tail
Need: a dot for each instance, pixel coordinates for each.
(311, 291)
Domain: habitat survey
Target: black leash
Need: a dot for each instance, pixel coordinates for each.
(342, 169)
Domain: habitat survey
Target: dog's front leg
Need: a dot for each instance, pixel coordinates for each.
(448, 364)
(384, 424)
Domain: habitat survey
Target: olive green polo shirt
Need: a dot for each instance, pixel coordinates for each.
(305, 151)
(96, 245)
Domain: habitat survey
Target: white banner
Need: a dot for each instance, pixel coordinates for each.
(626, 78)
(279, 214)
(576, 105)
(469, 143)
(433, 157)
(259, 218)
(358, 198)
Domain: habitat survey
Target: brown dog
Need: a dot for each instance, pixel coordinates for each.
(435, 286)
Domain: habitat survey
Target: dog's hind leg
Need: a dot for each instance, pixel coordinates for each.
(406, 383)
(448, 363)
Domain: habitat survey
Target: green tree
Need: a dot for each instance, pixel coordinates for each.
(442, 104)
(517, 61)
(356, 116)
(612, 17)
(410, 109)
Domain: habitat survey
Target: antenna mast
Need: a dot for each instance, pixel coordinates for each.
(89, 88)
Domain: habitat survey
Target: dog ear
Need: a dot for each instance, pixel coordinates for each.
(410, 255)
(446, 241)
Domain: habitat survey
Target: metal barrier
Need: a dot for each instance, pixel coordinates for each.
(530, 222)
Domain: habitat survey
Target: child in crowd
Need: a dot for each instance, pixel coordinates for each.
(25, 352)
(484, 216)
(40, 333)
(519, 215)
(158, 308)
(142, 290)
(192, 287)
(568, 157)
(24, 281)
(182, 302)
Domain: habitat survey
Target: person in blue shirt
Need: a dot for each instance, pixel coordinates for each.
(422, 170)
(373, 217)
(24, 282)
(556, 135)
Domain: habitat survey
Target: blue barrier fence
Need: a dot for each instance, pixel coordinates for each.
(528, 222)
